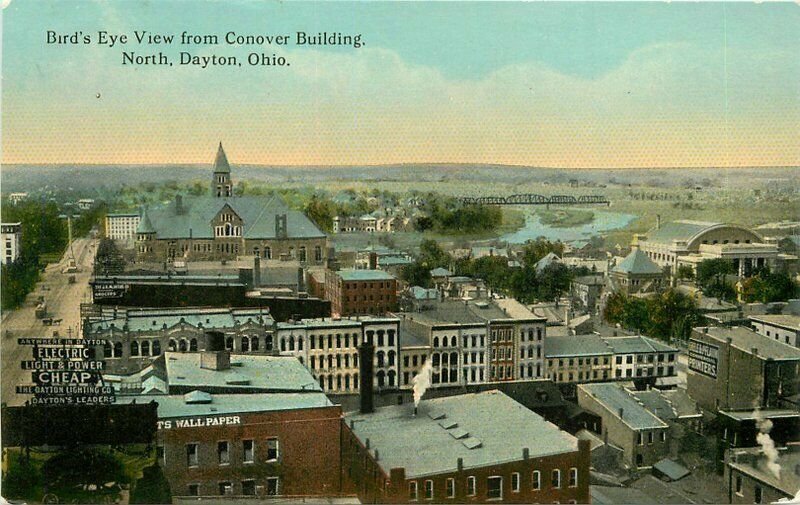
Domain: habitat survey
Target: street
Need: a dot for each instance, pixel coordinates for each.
(63, 302)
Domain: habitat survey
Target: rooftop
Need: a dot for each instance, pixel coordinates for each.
(615, 397)
(746, 340)
(149, 319)
(190, 405)
(753, 463)
(578, 345)
(364, 275)
(788, 321)
(247, 371)
(482, 429)
(678, 230)
(668, 405)
(637, 344)
(637, 263)
(458, 312)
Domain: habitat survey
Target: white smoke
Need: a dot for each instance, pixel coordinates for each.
(422, 381)
(764, 426)
(794, 500)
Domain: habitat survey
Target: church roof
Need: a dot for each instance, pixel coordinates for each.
(221, 161)
(192, 219)
(637, 262)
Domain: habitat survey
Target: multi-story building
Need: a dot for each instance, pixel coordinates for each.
(690, 242)
(751, 477)
(471, 448)
(587, 358)
(738, 369)
(637, 273)
(15, 198)
(780, 327)
(134, 337)
(85, 203)
(224, 226)
(586, 292)
(473, 342)
(12, 239)
(122, 226)
(642, 436)
(358, 292)
(329, 348)
(238, 442)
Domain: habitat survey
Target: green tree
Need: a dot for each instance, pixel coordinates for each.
(534, 250)
(22, 478)
(685, 272)
(153, 487)
(109, 259)
(768, 287)
(711, 278)
(614, 310)
(416, 274)
(553, 281)
(635, 315)
(322, 211)
(432, 254)
(672, 315)
(83, 466)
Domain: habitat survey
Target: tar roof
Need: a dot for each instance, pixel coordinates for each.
(637, 262)
(156, 319)
(458, 312)
(414, 335)
(789, 321)
(614, 397)
(578, 345)
(637, 344)
(746, 339)
(364, 275)
(189, 405)
(193, 218)
(268, 373)
(497, 427)
(678, 230)
(664, 407)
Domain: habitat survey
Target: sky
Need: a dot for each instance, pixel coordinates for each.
(572, 85)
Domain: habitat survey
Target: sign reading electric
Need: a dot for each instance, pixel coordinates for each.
(703, 358)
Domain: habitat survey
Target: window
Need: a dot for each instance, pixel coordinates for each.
(223, 453)
(515, 482)
(191, 454)
(494, 488)
(225, 488)
(249, 487)
(272, 486)
(450, 488)
(573, 477)
(272, 449)
(739, 485)
(471, 486)
(429, 490)
(412, 491)
(556, 479)
(649, 437)
(194, 490)
(640, 438)
(248, 447)
(663, 436)
(757, 494)
(536, 480)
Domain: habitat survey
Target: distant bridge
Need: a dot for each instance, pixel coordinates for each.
(531, 199)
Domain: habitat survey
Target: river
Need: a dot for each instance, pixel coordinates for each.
(603, 222)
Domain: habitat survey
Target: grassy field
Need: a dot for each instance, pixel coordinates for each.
(565, 218)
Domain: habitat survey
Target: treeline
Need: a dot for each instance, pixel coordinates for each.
(43, 233)
(668, 316)
(449, 215)
(524, 282)
(717, 279)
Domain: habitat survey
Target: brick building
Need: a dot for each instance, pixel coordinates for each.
(472, 448)
(750, 479)
(737, 369)
(357, 292)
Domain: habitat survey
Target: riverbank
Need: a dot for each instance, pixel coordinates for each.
(565, 218)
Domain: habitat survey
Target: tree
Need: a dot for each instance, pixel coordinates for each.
(321, 211)
(416, 274)
(552, 281)
(432, 254)
(711, 278)
(614, 311)
(768, 287)
(83, 466)
(685, 272)
(153, 487)
(22, 478)
(672, 315)
(109, 259)
(534, 250)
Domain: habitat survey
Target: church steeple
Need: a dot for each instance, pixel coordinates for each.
(221, 185)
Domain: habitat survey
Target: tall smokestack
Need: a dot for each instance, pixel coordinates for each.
(366, 352)
(257, 271)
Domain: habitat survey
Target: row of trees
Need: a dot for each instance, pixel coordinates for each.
(715, 277)
(524, 283)
(668, 316)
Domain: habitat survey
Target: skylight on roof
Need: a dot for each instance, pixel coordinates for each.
(471, 443)
(436, 415)
(458, 433)
(448, 424)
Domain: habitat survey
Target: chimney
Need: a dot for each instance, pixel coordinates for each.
(754, 351)
(658, 221)
(280, 226)
(620, 412)
(178, 204)
(373, 260)
(526, 453)
(460, 464)
(257, 271)
(366, 352)
(215, 360)
(301, 280)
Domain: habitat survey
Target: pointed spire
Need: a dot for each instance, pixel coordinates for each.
(221, 161)
(145, 225)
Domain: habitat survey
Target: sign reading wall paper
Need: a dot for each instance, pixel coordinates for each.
(703, 358)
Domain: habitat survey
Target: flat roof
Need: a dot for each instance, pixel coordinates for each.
(752, 415)
(788, 321)
(575, 345)
(746, 339)
(755, 466)
(637, 344)
(170, 406)
(482, 429)
(247, 371)
(615, 397)
(364, 275)
(156, 319)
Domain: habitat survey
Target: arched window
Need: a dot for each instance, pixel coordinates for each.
(108, 351)
(530, 370)
(268, 342)
(454, 358)
(118, 350)
(339, 381)
(229, 343)
(291, 343)
(322, 381)
(338, 361)
(193, 345)
(380, 356)
(391, 358)
(182, 346)
(436, 359)
(330, 360)
(321, 342)
(355, 360)
(283, 344)
(256, 251)
(381, 379)
(347, 340)
(436, 341)
(146, 348)
(268, 253)
(347, 361)
(338, 341)
(245, 344)
(156, 348)
(134, 348)
(355, 381)
(254, 343)
(173, 346)
(391, 376)
(303, 256)
(313, 362)
(347, 382)
(453, 341)
(330, 382)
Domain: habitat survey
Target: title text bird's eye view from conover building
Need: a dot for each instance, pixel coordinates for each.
(400, 252)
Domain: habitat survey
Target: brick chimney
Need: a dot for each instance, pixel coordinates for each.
(366, 352)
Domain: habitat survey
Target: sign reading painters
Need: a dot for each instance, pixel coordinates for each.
(65, 371)
(703, 358)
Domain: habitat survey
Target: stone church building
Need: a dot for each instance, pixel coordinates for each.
(224, 225)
